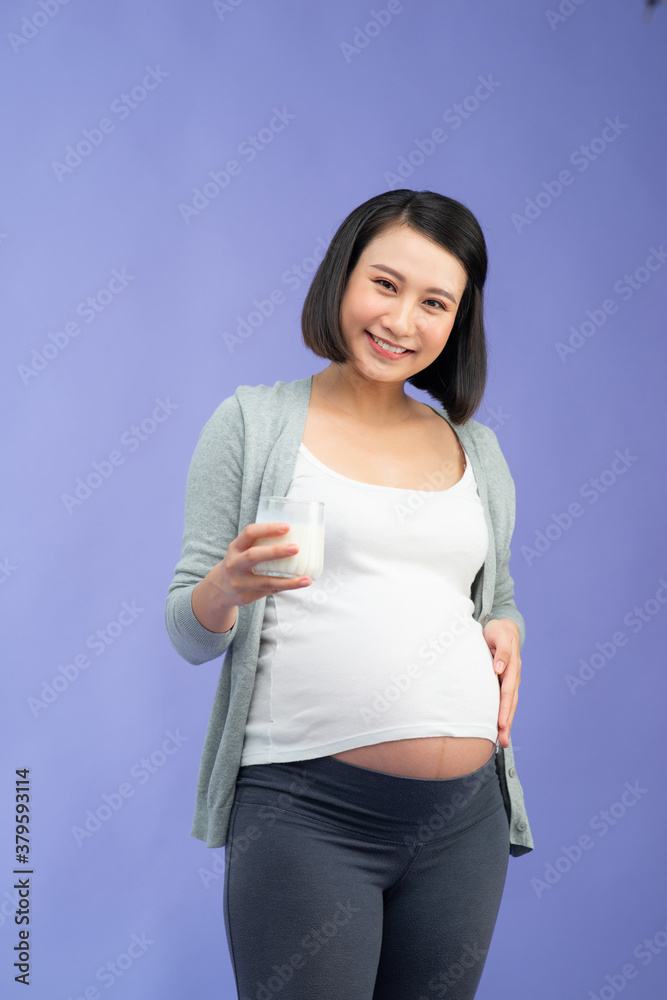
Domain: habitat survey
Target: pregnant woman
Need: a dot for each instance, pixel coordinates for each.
(358, 766)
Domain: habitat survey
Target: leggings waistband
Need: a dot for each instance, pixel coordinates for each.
(335, 792)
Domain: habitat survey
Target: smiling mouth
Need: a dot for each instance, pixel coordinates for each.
(386, 346)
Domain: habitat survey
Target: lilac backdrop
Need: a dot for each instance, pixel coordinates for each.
(134, 305)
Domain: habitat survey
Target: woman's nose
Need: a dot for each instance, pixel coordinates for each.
(399, 318)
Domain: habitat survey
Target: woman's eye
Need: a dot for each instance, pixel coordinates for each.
(385, 282)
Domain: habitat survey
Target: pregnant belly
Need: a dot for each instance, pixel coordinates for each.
(424, 757)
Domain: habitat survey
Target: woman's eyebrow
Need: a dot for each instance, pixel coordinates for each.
(400, 277)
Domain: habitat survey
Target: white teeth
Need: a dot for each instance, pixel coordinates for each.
(388, 347)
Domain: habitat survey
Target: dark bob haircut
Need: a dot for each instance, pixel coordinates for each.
(457, 377)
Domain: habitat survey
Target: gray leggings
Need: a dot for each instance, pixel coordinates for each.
(345, 883)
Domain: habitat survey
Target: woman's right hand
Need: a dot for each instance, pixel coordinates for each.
(234, 577)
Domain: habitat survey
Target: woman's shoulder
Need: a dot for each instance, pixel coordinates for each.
(475, 434)
(480, 433)
(263, 400)
(278, 390)
(472, 432)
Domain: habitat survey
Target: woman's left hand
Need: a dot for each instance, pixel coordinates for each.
(503, 639)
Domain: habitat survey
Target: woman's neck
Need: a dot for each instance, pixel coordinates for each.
(374, 403)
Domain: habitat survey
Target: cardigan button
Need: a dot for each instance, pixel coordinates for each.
(512, 772)
(521, 825)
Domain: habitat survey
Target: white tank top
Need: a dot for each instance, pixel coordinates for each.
(383, 646)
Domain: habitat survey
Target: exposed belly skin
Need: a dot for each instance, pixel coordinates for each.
(423, 757)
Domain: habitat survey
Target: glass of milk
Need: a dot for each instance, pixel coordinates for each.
(306, 529)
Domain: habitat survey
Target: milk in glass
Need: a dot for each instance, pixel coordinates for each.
(306, 521)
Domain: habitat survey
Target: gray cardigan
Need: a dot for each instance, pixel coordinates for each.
(248, 447)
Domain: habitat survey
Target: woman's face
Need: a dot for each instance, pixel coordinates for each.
(404, 291)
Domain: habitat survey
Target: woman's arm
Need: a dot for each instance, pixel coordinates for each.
(210, 608)
(504, 605)
(211, 522)
(504, 629)
(501, 485)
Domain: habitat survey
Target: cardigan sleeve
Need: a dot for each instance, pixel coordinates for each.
(504, 605)
(212, 503)
(502, 503)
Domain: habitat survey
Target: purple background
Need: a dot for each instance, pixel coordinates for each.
(219, 76)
